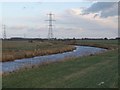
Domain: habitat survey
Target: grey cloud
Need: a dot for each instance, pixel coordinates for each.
(77, 26)
(100, 6)
(105, 9)
(103, 0)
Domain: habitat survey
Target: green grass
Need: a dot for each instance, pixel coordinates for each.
(85, 72)
(81, 72)
(109, 44)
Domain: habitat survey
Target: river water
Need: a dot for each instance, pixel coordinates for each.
(21, 63)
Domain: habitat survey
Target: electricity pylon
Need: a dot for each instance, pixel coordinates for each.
(50, 28)
(4, 31)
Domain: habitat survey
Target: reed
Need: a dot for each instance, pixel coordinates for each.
(12, 55)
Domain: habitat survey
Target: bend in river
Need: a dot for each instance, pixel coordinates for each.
(20, 63)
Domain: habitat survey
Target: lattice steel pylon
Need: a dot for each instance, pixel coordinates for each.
(50, 32)
(4, 31)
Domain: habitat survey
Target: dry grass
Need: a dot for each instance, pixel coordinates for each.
(23, 49)
(12, 50)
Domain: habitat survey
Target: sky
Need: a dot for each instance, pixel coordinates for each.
(90, 19)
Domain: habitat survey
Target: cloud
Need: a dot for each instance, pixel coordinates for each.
(76, 25)
(89, 19)
(102, 0)
(70, 23)
(73, 22)
(105, 9)
(75, 11)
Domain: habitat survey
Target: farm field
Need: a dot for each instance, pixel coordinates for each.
(96, 71)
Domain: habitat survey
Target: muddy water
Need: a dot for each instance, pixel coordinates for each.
(21, 63)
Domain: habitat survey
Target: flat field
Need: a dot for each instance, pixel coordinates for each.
(96, 71)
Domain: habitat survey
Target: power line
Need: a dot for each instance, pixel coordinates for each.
(4, 31)
(50, 32)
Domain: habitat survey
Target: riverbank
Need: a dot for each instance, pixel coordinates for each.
(13, 50)
(9, 67)
(106, 44)
(81, 72)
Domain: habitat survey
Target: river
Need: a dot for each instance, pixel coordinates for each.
(21, 63)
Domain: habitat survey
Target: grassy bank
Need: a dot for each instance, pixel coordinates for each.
(83, 72)
(24, 49)
(107, 44)
(98, 71)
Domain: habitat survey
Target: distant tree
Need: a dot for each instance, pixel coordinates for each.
(74, 38)
(105, 38)
(117, 38)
